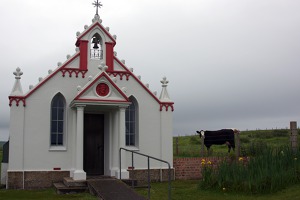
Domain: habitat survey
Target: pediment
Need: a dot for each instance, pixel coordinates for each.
(102, 89)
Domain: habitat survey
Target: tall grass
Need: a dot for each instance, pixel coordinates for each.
(272, 170)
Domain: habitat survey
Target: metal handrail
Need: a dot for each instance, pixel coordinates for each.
(149, 157)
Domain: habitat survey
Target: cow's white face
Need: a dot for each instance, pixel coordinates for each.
(202, 134)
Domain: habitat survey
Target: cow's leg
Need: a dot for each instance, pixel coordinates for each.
(207, 147)
(228, 145)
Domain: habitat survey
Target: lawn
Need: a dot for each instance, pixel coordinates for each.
(46, 194)
(190, 190)
(190, 146)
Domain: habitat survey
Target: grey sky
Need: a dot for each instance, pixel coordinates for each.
(230, 63)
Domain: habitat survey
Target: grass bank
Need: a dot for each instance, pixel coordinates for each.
(190, 190)
(251, 141)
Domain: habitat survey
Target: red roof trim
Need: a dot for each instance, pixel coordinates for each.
(17, 99)
(50, 76)
(120, 73)
(102, 28)
(102, 100)
(138, 80)
(103, 74)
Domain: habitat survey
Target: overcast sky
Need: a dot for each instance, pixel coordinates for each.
(230, 63)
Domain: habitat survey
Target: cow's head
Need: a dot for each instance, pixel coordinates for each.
(201, 133)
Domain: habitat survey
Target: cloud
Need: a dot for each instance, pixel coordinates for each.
(229, 63)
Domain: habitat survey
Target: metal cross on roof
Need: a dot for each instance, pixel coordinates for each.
(97, 4)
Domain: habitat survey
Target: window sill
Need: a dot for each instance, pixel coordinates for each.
(132, 148)
(57, 148)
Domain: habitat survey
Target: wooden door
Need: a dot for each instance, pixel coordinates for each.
(93, 144)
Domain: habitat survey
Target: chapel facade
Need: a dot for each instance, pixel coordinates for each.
(75, 120)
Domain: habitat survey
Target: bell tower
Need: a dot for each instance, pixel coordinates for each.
(96, 44)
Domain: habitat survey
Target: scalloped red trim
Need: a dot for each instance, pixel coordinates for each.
(120, 74)
(17, 99)
(167, 105)
(70, 71)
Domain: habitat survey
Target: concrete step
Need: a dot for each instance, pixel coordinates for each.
(61, 188)
(69, 182)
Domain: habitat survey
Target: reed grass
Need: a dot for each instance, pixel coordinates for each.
(270, 171)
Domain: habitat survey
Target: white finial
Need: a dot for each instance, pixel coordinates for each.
(103, 67)
(164, 81)
(59, 64)
(68, 56)
(77, 49)
(155, 93)
(30, 87)
(85, 27)
(90, 78)
(17, 89)
(164, 96)
(115, 37)
(131, 69)
(147, 85)
(49, 71)
(139, 77)
(78, 88)
(114, 79)
(115, 53)
(123, 61)
(18, 73)
(107, 28)
(77, 33)
(40, 79)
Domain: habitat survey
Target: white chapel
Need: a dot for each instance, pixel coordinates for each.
(75, 120)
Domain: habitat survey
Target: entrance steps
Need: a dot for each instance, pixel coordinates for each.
(70, 186)
(105, 188)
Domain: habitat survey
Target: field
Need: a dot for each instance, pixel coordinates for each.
(190, 146)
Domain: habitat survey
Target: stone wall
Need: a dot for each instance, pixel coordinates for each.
(35, 179)
(156, 175)
(190, 168)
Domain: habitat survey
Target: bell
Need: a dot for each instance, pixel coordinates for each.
(95, 41)
(95, 46)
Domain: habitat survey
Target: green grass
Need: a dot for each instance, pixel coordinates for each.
(189, 190)
(190, 146)
(46, 194)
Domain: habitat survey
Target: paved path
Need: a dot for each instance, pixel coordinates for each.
(112, 189)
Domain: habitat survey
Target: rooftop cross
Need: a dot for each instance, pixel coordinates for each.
(97, 4)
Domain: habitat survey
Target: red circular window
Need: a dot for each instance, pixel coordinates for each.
(102, 89)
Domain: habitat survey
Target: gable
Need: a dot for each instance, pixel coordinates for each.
(101, 89)
(95, 25)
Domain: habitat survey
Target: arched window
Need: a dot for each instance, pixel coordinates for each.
(131, 121)
(96, 47)
(57, 120)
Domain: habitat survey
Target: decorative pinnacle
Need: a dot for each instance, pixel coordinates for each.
(164, 82)
(97, 4)
(18, 73)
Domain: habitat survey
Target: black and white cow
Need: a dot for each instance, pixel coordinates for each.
(224, 136)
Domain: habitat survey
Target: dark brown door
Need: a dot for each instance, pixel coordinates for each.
(93, 144)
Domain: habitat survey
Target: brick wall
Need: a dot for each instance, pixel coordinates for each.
(156, 175)
(35, 179)
(190, 168)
